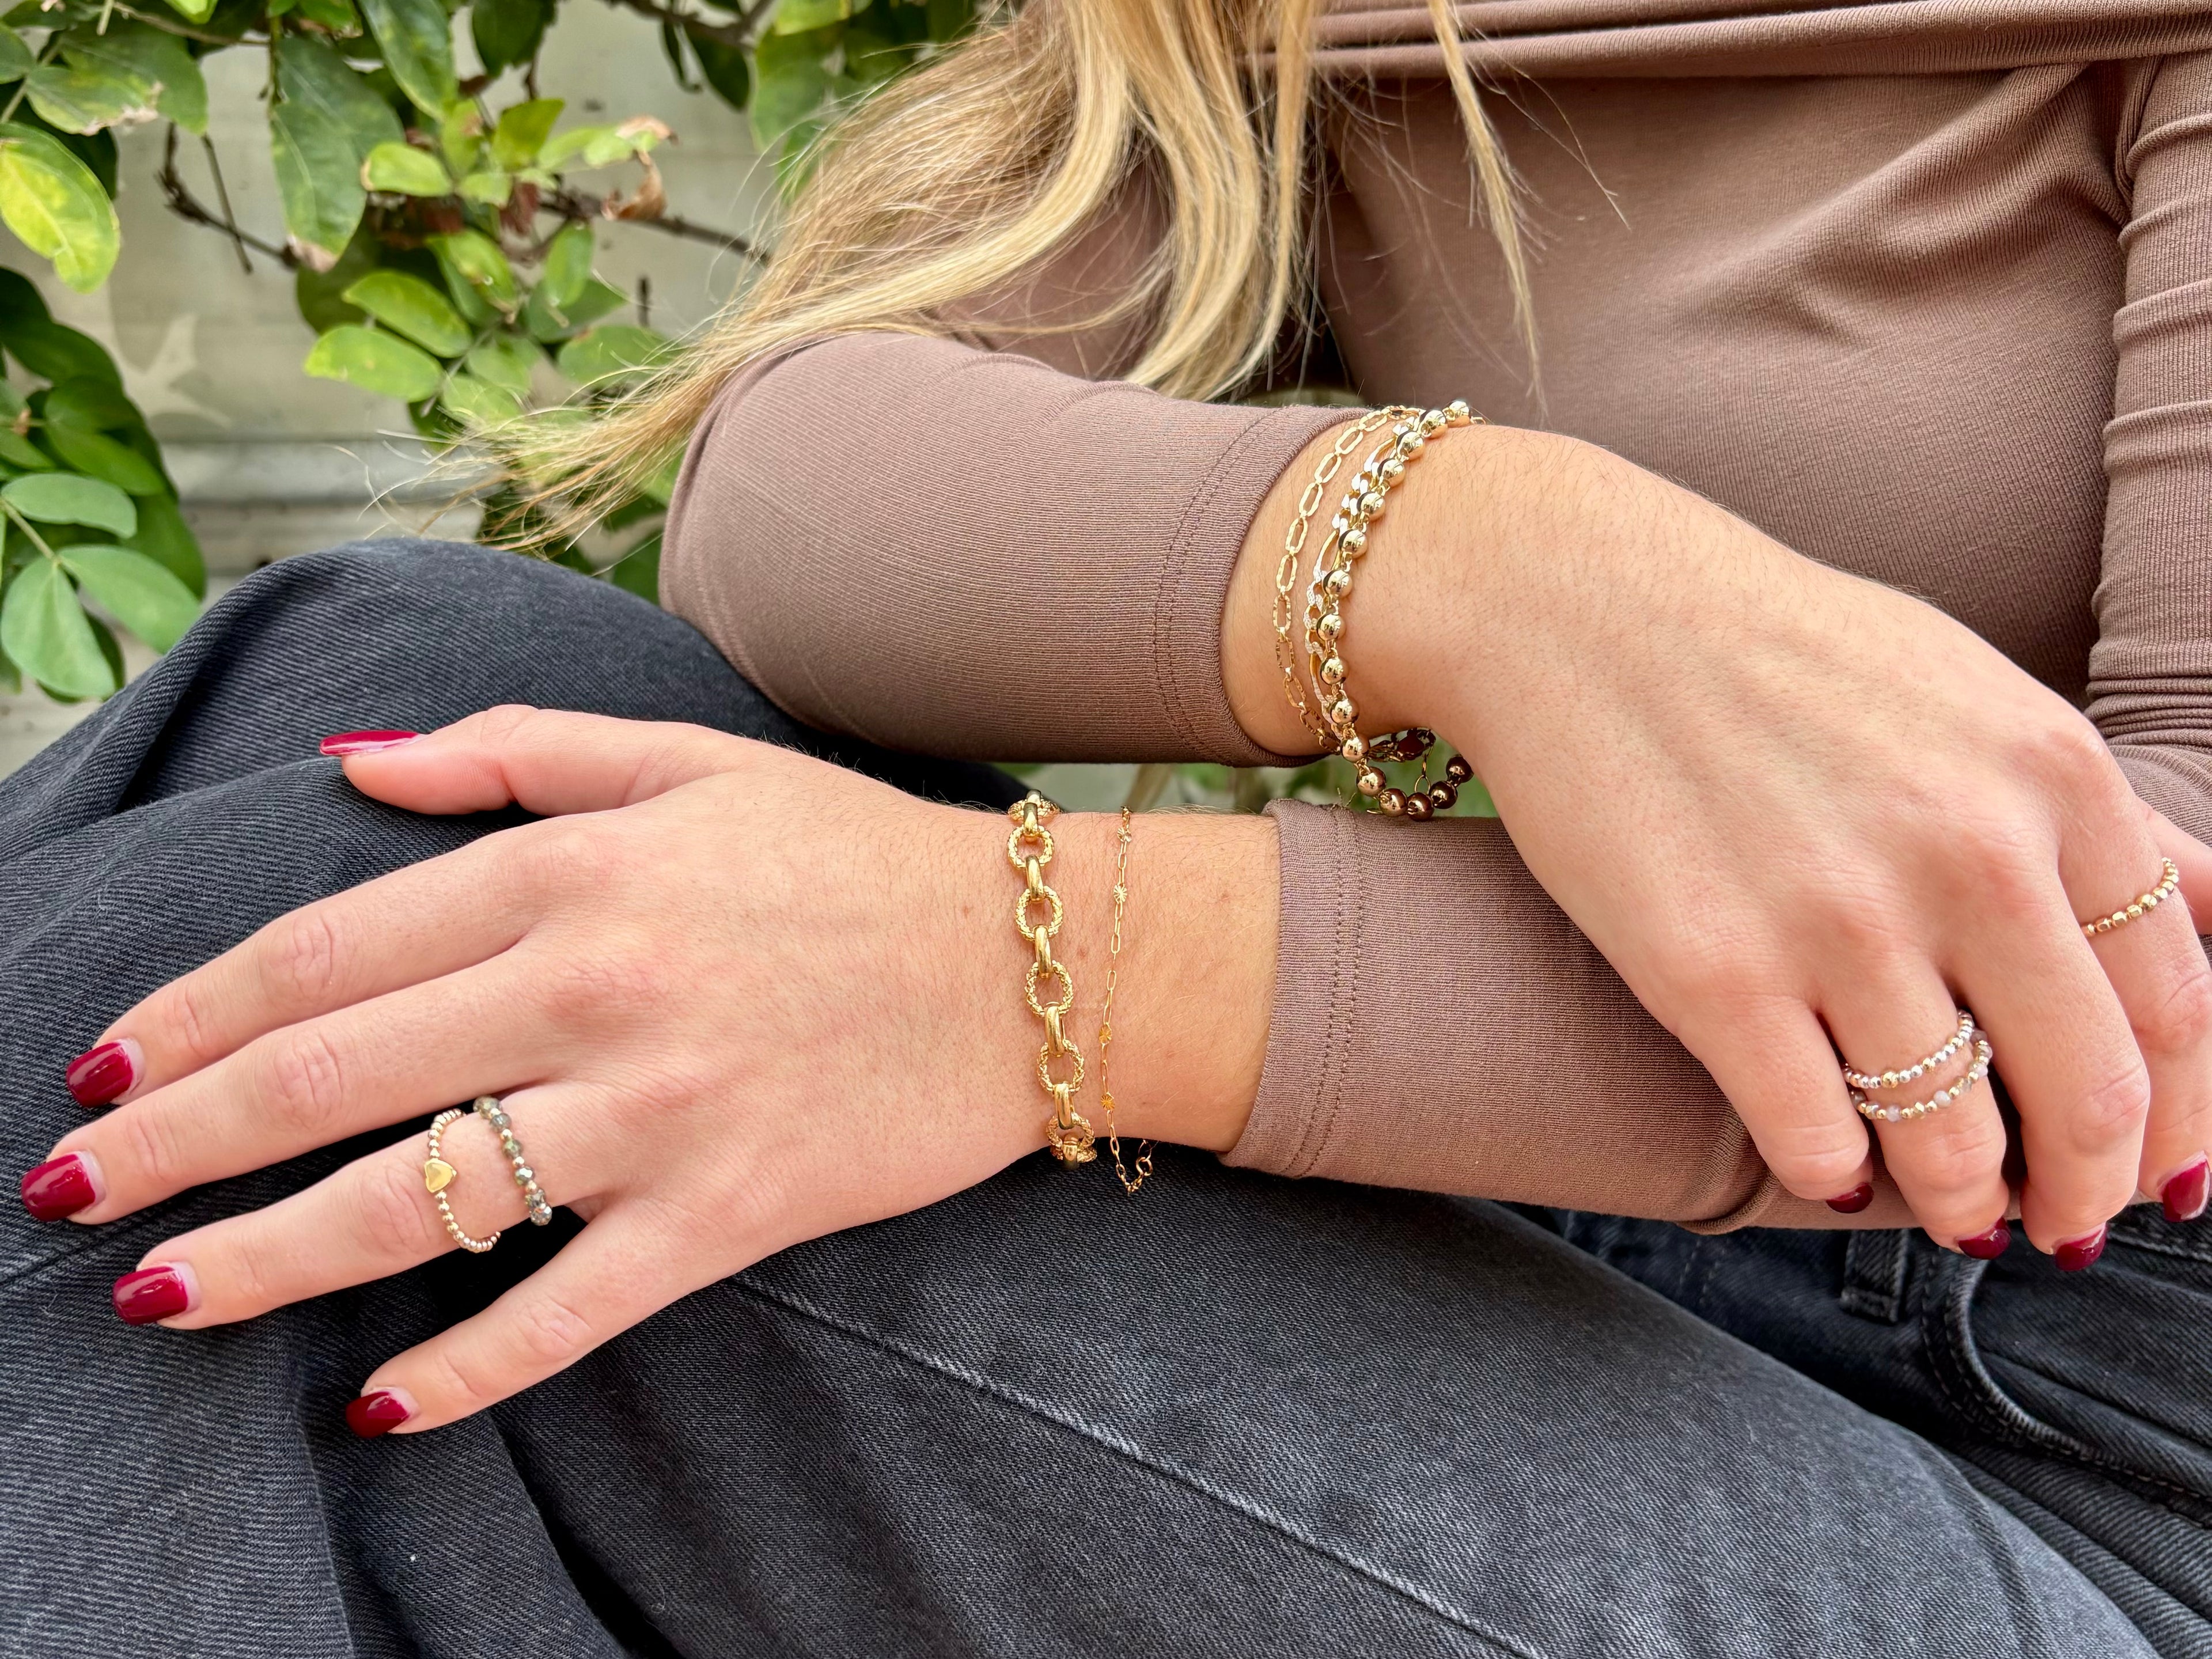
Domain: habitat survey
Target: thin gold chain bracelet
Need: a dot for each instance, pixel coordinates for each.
(1294, 547)
(1120, 896)
(1324, 623)
(1030, 849)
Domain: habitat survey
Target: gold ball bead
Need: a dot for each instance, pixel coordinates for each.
(1371, 783)
(1355, 748)
(1457, 412)
(1330, 625)
(1393, 470)
(1458, 770)
(1339, 583)
(1342, 712)
(1435, 421)
(1332, 670)
(1391, 800)
(1354, 542)
(1371, 505)
(1420, 807)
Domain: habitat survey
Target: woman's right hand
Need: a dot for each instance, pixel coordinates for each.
(1789, 806)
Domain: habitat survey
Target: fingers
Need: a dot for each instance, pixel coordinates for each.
(545, 761)
(2157, 967)
(1775, 1064)
(1948, 1163)
(618, 1270)
(2068, 1057)
(2191, 856)
(414, 924)
(394, 1057)
(374, 1217)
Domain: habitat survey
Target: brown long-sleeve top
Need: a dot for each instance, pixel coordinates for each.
(1922, 288)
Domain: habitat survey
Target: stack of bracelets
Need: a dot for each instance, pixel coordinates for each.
(1323, 624)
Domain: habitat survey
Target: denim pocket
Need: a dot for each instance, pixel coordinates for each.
(2110, 1369)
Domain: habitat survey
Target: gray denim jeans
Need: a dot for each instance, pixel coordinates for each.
(1236, 1416)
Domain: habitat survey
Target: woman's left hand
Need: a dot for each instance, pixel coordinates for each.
(734, 997)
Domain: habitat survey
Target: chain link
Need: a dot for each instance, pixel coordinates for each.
(1029, 849)
(1106, 1020)
(1294, 542)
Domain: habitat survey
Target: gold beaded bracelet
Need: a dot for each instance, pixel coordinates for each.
(1345, 544)
(1029, 849)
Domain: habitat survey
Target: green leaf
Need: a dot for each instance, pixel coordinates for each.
(474, 267)
(492, 189)
(20, 452)
(478, 403)
(55, 206)
(797, 16)
(99, 456)
(567, 266)
(724, 66)
(64, 498)
(339, 17)
(55, 352)
(523, 130)
(505, 362)
(194, 11)
(560, 146)
(91, 98)
(45, 630)
(638, 571)
(507, 32)
(787, 88)
(418, 39)
(375, 361)
(949, 19)
(94, 402)
(405, 171)
(19, 301)
(319, 179)
(154, 56)
(309, 72)
(410, 306)
(165, 537)
(618, 351)
(136, 592)
(15, 57)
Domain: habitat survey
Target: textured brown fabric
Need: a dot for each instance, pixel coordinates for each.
(1949, 328)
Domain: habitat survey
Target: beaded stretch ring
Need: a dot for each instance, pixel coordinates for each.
(437, 1175)
(1871, 1111)
(2137, 908)
(488, 1109)
(1919, 1068)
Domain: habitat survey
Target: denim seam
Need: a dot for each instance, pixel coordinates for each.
(1952, 1315)
(1099, 1434)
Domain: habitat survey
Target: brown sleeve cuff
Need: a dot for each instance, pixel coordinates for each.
(1439, 1023)
(970, 553)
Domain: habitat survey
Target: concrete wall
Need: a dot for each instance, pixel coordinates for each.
(270, 462)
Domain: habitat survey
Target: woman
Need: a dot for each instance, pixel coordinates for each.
(1856, 271)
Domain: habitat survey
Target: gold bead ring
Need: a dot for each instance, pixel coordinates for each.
(2139, 907)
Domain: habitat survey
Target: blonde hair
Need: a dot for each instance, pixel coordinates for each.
(977, 165)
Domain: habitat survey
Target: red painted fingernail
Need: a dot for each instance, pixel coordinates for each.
(365, 742)
(1989, 1246)
(2183, 1194)
(100, 1075)
(59, 1187)
(149, 1294)
(2076, 1254)
(376, 1413)
(1854, 1200)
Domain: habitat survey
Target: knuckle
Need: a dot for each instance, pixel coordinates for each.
(302, 961)
(147, 1148)
(2182, 1022)
(550, 1332)
(2006, 866)
(2068, 752)
(1957, 1165)
(189, 1016)
(609, 982)
(396, 1220)
(460, 1385)
(305, 1082)
(503, 723)
(2113, 1109)
(247, 1282)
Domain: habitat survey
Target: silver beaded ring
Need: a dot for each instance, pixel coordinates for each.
(488, 1108)
(1873, 1112)
(1919, 1068)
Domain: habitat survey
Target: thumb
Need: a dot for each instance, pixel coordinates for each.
(544, 761)
(2192, 858)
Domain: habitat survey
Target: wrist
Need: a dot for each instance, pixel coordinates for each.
(1428, 564)
(1198, 933)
